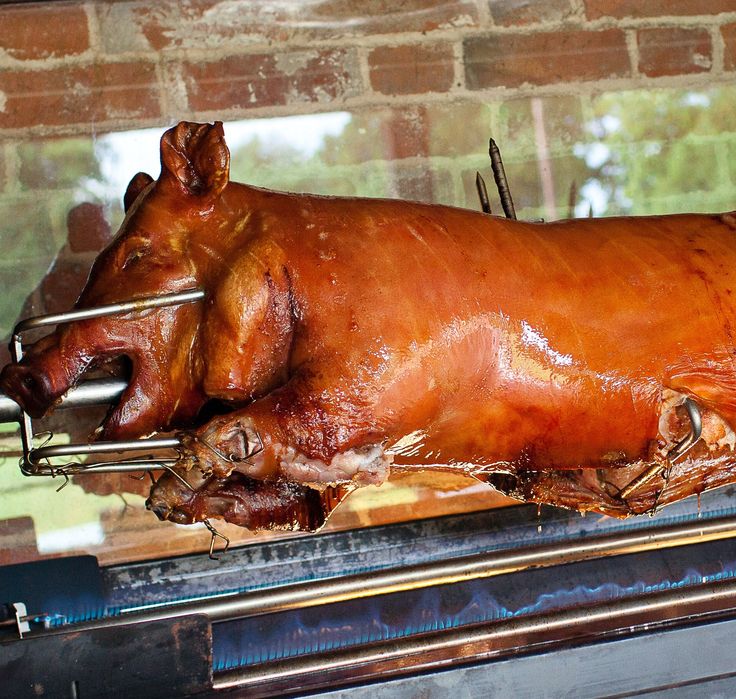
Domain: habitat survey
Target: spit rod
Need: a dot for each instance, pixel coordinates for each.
(483, 641)
(95, 392)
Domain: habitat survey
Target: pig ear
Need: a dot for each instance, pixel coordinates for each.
(195, 159)
(139, 182)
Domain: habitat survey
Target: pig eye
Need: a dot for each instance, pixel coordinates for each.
(133, 257)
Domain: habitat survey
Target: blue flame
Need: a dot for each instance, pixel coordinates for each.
(518, 536)
(290, 634)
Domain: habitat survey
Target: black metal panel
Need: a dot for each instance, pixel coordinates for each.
(686, 663)
(161, 659)
(68, 586)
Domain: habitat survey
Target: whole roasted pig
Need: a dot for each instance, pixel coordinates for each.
(589, 364)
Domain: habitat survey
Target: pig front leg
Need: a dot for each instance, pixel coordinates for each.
(304, 443)
(249, 326)
(306, 430)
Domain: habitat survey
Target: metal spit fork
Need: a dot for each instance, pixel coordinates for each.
(36, 460)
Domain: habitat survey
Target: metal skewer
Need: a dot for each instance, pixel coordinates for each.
(499, 174)
(480, 185)
(87, 393)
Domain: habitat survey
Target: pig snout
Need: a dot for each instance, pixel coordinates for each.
(35, 391)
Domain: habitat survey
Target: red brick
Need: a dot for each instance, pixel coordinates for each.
(405, 70)
(510, 60)
(200, 23)
(596, 9)
(334, 18)
(241, 82)
(673, 51)
(421, 183)
(519, 12)
(79, 94)
(134, 26)
(404, 133)
(41, 31)
(729, 50)
(88, 229)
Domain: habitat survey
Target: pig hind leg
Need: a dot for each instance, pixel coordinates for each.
(641, 486)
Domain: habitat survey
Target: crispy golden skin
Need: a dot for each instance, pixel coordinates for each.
(352, 335)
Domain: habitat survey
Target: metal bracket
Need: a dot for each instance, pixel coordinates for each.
(21, 618)
(673, 455)
(31, 461)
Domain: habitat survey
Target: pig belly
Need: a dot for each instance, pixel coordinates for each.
(495, 407)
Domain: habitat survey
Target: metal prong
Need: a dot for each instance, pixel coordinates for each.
(32, 457)
(232, 458)
(65, 483)
(674, 454)
(572, 197)
(259, 448)
(480, 185)
(499, 174)
(170, 469)
(216, 535)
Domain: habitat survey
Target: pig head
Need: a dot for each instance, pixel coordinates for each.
(165, 245)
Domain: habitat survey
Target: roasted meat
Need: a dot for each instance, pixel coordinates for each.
(345, 338)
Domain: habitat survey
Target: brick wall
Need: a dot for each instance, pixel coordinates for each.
(122, 65)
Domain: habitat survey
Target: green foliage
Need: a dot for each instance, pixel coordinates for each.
(60, 163)
(283, 167)
(646, 151)
(668, 150)
(53, 176)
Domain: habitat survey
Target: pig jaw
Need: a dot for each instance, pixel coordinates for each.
(152, 401)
